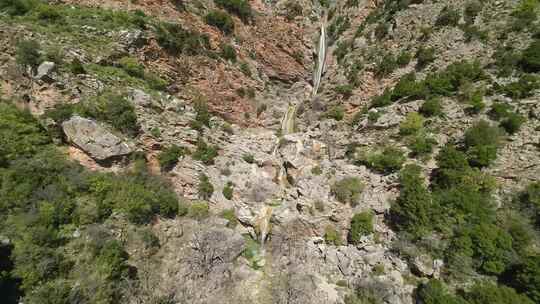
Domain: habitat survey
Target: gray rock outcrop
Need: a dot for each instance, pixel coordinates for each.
(94, 139)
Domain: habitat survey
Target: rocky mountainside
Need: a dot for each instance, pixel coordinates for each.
(247, 151)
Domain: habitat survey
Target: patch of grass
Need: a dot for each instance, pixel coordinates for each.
(229, 215)
(199, 210)
(412, 123)
(361, 225)
(332, 236)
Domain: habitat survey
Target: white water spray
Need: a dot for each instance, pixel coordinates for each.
(321, 61)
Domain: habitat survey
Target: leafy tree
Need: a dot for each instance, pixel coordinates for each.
(526, 277)
(431, 107)
(28, 53)
(490, 293)
(115, 109)
(531, 57)
(435, 292)
(481, 142)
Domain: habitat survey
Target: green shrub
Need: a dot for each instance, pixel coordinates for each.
(248, 158)
(176, 40)
(229, 215)
(481, 142)
(474, 32)
(347, 190)
(17, 7)
(48, 13)
(448, 17)
(244, 67)
(169, 156)
(76, 67)
(431, 107)
(228, 190)
(332, 236)
(116, 110)
(435, 292)
(221, 20)
(389, 160)
(374, 116)
(199, 210)
(344, 90)
(202, 117)
(530, 60)
(316, 170)
(21, 135)
(425, 56)
(336, 112)
(228, 52)
(476, 102)
(512, 122)
(506, 60)
(241, 8)
(522, 88)
(472, 9)
(409, 88)
(524, 15)
(205, 188)
(526, 277)
(500, 110)
(382, 100)
(294, 9)
(361, 224)
(205, 153)
(404, 58)
(422, 144)
(132, 67)
(412, 123)
(414, 209)
(489, 292)
(28, 53)
(386, 65)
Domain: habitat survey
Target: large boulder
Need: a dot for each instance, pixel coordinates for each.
(94, 139)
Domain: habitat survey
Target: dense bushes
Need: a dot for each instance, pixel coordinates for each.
(27, 53)
(448, 17)
(114, 109)
(388, 160)
(431, 107)
(228, 52)
(412, 123)
(176, 40)
(46, 199)
(205, 153)
(361, 224)
(347, 190)
(205, 188)
(169, 156)
(531, 57)
(425, 56)
(241, 8)
(481, 142)
(221, 20)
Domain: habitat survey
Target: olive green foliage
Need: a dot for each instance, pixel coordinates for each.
(476, 101)
(248, 158)
(449, 16)
(435, 292)
(524, 15)
(337, 27)
(361, 225)
(28, 53)
(336, 112)
(487, 292)
(526, 277)
(522, 88)
(409, 88)
(205, 188)
(76, 67)
(221, 20)
(344, 90)
(512, 123)
(294, 9)
(412, 123)
(228, 52)
(45, 197)
(114, 109)
(134, 69)
(529, 200)
(169, 156)
(422, 144)
(404, 58)
(382, 100)
(240, 8)
(229, 215)
(388, 160)
(347, 190)
(199, 210)
(431, 107)
(176, 40)
(228, 190)
(386, 65)
(531, 57)
(332, 236)
(20, 135)
(18, 7)
(414, 209)
(482, 141)
(205, 152)
(472, 10)
(425, 56)
(202, 117)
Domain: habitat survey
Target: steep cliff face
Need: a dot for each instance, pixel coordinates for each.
(320, 151)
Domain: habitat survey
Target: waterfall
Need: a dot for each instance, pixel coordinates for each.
(321, 60)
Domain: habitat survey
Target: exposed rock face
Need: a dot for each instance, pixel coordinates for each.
(45, 70)
(94, 139)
